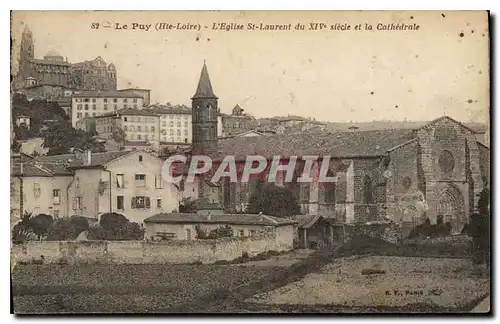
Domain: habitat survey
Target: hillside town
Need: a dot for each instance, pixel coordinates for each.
(88, 166)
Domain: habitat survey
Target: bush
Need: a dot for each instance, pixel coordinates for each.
(274, 201)
(110, 221)
(40, 224)
(63, 229)
(221, 232)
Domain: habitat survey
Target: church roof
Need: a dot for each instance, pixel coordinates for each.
(204, 89)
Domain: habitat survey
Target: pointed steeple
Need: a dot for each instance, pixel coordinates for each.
(204, 89)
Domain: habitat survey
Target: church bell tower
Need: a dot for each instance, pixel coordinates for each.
(204, 115)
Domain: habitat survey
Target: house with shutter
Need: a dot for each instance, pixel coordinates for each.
(91, 184)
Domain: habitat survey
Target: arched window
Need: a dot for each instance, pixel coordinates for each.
(367, 189)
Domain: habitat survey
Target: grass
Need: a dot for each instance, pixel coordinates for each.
(122, 288)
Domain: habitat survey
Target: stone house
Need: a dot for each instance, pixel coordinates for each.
(315, 231)
(91, 184)
(183, 226)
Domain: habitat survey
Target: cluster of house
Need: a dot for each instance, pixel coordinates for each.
(387, 174)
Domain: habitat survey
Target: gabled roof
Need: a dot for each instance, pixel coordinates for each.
(435, 121)
(308, 221)
(204, 89)
(339, 145)
(229, 219)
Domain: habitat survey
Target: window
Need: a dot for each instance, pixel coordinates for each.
(93, 99)
(115, 100)
(140, 158)
(185, 124)
(152, 128)
(178, 124)
(119, 203)
(185, 140)
(124, 118)
(171, 132)
(139, 137)
(252, 232)
(132, 128)
(158, 182)
(105, 99)
(77, 203)
(134, 100)
(86, 107)
(77, 184)
(141, 202)
(125, 128)
(125, 100)
(329, 192)
(86, 100)
(115, 107)
(138, 128)
(171, 124)
(79, 115)
(140, 180)
(120, 181)
(56, 213)
(36, 190)
(124, 105)
(178, 132)
(86, 114)
(138, 119)
(446, 161)
(188, 234)
(79, 107)
(105, 106)
(367, 189)
(406, 183)
(55, 196)
(158, 202)
(241, 233)
(93, 107)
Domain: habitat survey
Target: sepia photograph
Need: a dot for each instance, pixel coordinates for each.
(250, 162)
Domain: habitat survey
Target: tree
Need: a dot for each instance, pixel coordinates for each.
(40, 224)
(110, 221)
(483, 203)
(274, 201)
(61, 138)
(220, 232)
(23, 231)
(119, 136)
(187, 205)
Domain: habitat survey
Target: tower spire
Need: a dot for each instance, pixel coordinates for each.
(204, 89)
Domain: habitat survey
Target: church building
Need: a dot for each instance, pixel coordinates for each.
(435, 171)
(55, 70)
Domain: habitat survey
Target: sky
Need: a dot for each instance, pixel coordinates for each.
(338, 76)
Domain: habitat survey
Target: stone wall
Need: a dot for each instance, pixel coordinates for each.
(139, 252)
(389, 232)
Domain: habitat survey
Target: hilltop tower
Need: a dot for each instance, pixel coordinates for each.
(27, 50)
(204, 115)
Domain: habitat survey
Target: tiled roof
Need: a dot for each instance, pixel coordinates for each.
(307, 221)
(340, 145)
(97, 159)
(230, 219)
(106, 94)
(63, 164)
(165, 110)
(129, 112)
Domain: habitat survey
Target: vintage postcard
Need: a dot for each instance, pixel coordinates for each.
(250, 162)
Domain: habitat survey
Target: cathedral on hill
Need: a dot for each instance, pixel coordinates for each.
(55, 70)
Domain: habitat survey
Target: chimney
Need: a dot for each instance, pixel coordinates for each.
(209, 216)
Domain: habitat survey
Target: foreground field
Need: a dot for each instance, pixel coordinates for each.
(395, 283)
(123, 288)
